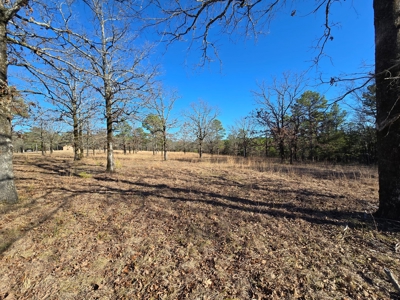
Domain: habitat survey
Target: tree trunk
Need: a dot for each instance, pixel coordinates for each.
(81, 149)
(154, 145)
(110, 153)
(387, 70)
(282, 150)
(266, 146)
(7, 187)
(165, 153)
(165, 144)
(42, 141)
(200, 148)
(87, 141)
(76, 134)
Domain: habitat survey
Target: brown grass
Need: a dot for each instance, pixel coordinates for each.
(220, 228)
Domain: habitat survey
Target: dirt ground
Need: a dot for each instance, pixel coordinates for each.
(220, 228)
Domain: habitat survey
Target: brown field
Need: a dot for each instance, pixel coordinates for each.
(222, 228)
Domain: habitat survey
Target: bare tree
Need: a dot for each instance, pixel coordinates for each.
(90, 128)
(53, 129)
(46, 126)
(185, 137)
(68, 90)
(21, 35)
(274, 107)
(121, 77)
(204, 20)
(244, 132)
(161, 104)
(200, 118)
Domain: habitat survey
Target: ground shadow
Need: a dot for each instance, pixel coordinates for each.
(8, 241)
(288, 210)
(281, 210)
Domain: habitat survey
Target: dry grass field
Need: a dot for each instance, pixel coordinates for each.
(220, 228)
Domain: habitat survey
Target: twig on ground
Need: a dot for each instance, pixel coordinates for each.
(392, 279)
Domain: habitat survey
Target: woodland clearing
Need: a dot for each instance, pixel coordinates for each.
(219, 228)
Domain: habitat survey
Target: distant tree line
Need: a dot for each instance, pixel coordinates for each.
(304, 129)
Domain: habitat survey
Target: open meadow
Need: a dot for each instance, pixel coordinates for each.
(220, 228)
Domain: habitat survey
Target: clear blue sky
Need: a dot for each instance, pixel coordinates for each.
(287, 46)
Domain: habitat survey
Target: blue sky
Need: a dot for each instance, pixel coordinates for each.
(286, 47)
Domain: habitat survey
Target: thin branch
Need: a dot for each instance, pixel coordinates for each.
(392, 279)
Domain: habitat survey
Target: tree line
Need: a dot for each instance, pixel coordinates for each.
(302, 129)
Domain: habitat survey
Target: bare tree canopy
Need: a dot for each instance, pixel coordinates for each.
(201, 21)
(160, 104)
(200, 119)
(275, 103)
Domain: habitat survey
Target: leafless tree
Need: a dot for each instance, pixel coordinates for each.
(244, 132)
(47, 127)
(22, 34)
(121, 75)
(274, 106)
(200, 118)
(185, 137)
(68, 90)
(161, 103)
(204, 20)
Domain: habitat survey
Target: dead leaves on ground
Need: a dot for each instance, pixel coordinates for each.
(179, 230)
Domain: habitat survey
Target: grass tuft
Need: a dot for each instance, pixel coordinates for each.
(85, 175)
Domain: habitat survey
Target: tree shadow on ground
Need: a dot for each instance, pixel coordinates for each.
(65, 167)
(288, 210)
(8, 239)
(31, 208)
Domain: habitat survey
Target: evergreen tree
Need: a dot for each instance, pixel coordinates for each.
(124, 134)
(309, 112)
(153, 124)
(214, 139)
